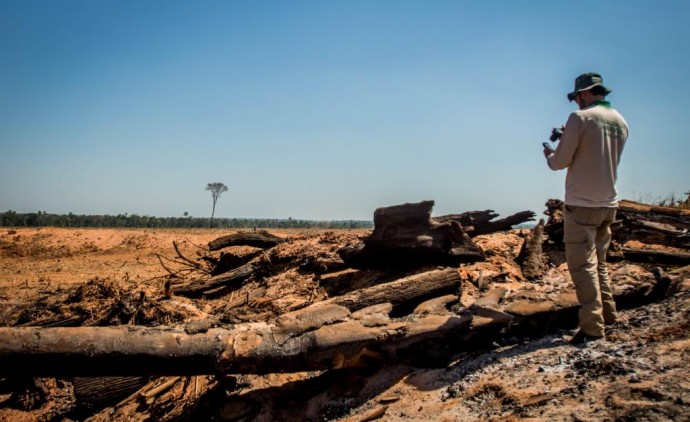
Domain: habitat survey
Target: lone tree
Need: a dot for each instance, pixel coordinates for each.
(216, 189)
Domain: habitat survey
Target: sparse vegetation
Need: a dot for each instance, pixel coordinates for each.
(671, 200)
(675, 202)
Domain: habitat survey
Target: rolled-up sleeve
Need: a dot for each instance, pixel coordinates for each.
(565, 151)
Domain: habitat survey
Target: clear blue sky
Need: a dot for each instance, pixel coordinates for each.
(326, 109)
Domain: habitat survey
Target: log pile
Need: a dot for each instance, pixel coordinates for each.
(332, 334)
(416, 287)
(647, 224)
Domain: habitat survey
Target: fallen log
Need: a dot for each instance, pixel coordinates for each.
(234, 278)
(656, 256)
(415, 288)
(247, 348)
(260, 239)
(405, 236)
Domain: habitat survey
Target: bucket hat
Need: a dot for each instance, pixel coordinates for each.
(587, 81)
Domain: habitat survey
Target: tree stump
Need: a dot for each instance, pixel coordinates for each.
(406, 236)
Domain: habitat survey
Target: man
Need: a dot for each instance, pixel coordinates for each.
(590, 148)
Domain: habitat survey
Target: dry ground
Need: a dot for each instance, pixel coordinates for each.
(640, 373)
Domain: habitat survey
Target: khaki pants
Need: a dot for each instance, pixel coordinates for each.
(587, 235)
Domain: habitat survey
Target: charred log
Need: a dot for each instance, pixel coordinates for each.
(405, 236)
(260, 239)
(656, 256)
(531, 258)
(234, 278)
(554, 224)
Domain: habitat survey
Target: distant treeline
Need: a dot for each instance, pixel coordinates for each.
(43, 219)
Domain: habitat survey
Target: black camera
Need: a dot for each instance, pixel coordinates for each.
(556, 134)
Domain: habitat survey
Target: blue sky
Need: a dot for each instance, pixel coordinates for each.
(326, 109)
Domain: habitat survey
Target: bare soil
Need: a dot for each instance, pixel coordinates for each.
(54, 276)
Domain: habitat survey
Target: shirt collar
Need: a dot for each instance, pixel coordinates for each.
(602, 103)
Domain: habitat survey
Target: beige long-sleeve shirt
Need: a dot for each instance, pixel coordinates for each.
(591, 148)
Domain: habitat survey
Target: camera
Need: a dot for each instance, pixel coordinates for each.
(556, 134)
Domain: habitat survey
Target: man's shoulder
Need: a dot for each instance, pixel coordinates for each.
(601, 114)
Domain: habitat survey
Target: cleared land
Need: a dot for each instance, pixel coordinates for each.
(640, 373)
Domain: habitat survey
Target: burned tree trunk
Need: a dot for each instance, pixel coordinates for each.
(476, 223)
(405, 236)
(531, 254)
(554, 225)
(655, 256)
(415, 288)
(261, 239)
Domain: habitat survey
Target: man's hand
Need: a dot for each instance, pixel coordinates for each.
(547, 149)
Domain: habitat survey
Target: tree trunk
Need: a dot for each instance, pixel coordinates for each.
(531, 253)
(213, 212)
(105, 351)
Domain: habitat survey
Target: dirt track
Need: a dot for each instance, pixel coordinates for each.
(641, 373)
